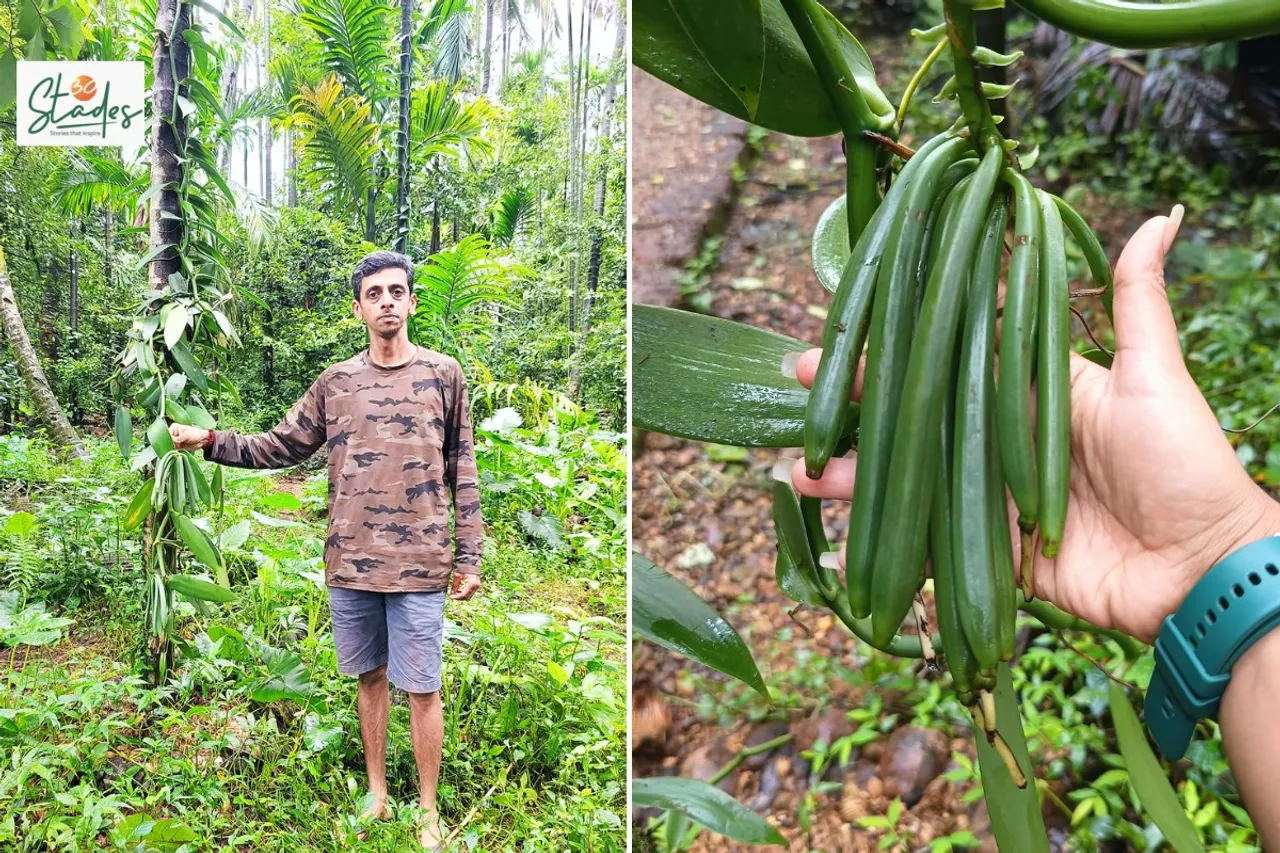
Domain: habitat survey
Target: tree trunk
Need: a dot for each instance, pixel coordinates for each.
(230, 97)
(370, 222)
(73, 303)
(488, 46)
(293, 168)
(402, 139)
(266, 65)
(606, 130)
(573, 150)
(108, 237)
(15, 331)
(502, 66)
(167, 135)
(435, 226)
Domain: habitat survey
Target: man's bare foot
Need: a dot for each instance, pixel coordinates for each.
(376, 810)
(430, 831)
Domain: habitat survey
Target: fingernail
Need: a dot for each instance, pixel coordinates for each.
(789, 362)
(1172, 226)
(829, 560)
(782, 470)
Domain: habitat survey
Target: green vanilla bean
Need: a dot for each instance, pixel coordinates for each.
(1127, 24)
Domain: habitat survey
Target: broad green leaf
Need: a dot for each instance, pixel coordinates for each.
(831, 244)
(670, 614)
(158, 436)
(124, 431)
(177, 413)
(175, 324)
(196, 588)
(1016, 821)
(194, 538)
(143, 458)
(20, 523)
(730, 37)
(236, 535)
(182, 354)
(792, 98)
(1149, 778)
(707, 805)
(287, 677)
(715, 380)
(199, 417)
(8, 79)
(282, 500)
(139, 506)
(557, 672)
(546, 528)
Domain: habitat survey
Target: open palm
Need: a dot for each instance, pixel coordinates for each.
(1157, 495)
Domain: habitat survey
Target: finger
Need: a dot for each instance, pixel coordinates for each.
(835, 483)
(175, 430)
(804, 366)
(1143, 320)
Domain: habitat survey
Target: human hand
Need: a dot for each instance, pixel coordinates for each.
(463, 586)
(1157, 494)
(188, 437)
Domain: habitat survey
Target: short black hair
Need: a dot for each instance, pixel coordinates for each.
(380, 260)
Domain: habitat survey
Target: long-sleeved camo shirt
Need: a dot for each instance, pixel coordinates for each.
(399, 439)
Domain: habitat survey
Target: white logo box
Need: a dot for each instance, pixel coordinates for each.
(81, 103)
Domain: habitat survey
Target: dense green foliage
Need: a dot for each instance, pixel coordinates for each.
(255, 740)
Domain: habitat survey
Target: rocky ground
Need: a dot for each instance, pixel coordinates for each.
(703, 512)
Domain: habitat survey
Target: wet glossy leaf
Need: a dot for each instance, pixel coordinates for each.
(1149, 778)
(707, 805)
(670, 614)
(730, 37)
(791, 100)
(715, 380)
(831, 244)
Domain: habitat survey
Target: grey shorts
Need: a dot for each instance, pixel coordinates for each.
(403, 630)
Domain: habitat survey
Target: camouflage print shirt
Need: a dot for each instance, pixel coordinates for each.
(399, 442)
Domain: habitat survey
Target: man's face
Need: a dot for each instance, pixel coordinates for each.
(385, 302)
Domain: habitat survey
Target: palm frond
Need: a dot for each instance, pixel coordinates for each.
(355, 36)
(461, 279)
(451, 47)
(513, 209)
(446, 125)
(86, 182)
(338, 143)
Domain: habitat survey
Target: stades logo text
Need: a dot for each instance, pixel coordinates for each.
(81, 103)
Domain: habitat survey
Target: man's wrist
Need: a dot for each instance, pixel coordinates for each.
(1256, 518)
(207, 444)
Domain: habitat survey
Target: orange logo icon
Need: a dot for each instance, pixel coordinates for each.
(83, 88)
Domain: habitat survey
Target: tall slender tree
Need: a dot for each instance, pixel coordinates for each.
(267, 129)
(402, 135)
(15, 331)
(488, 46)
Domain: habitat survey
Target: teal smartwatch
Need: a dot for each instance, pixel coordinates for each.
(1233, 606)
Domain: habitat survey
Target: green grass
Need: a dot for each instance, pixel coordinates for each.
(534, 690)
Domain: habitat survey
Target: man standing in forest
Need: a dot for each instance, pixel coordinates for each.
(395, 421)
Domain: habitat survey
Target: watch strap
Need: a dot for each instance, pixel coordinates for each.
(1226, 612)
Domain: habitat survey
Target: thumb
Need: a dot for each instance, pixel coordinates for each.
(1143, 319)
